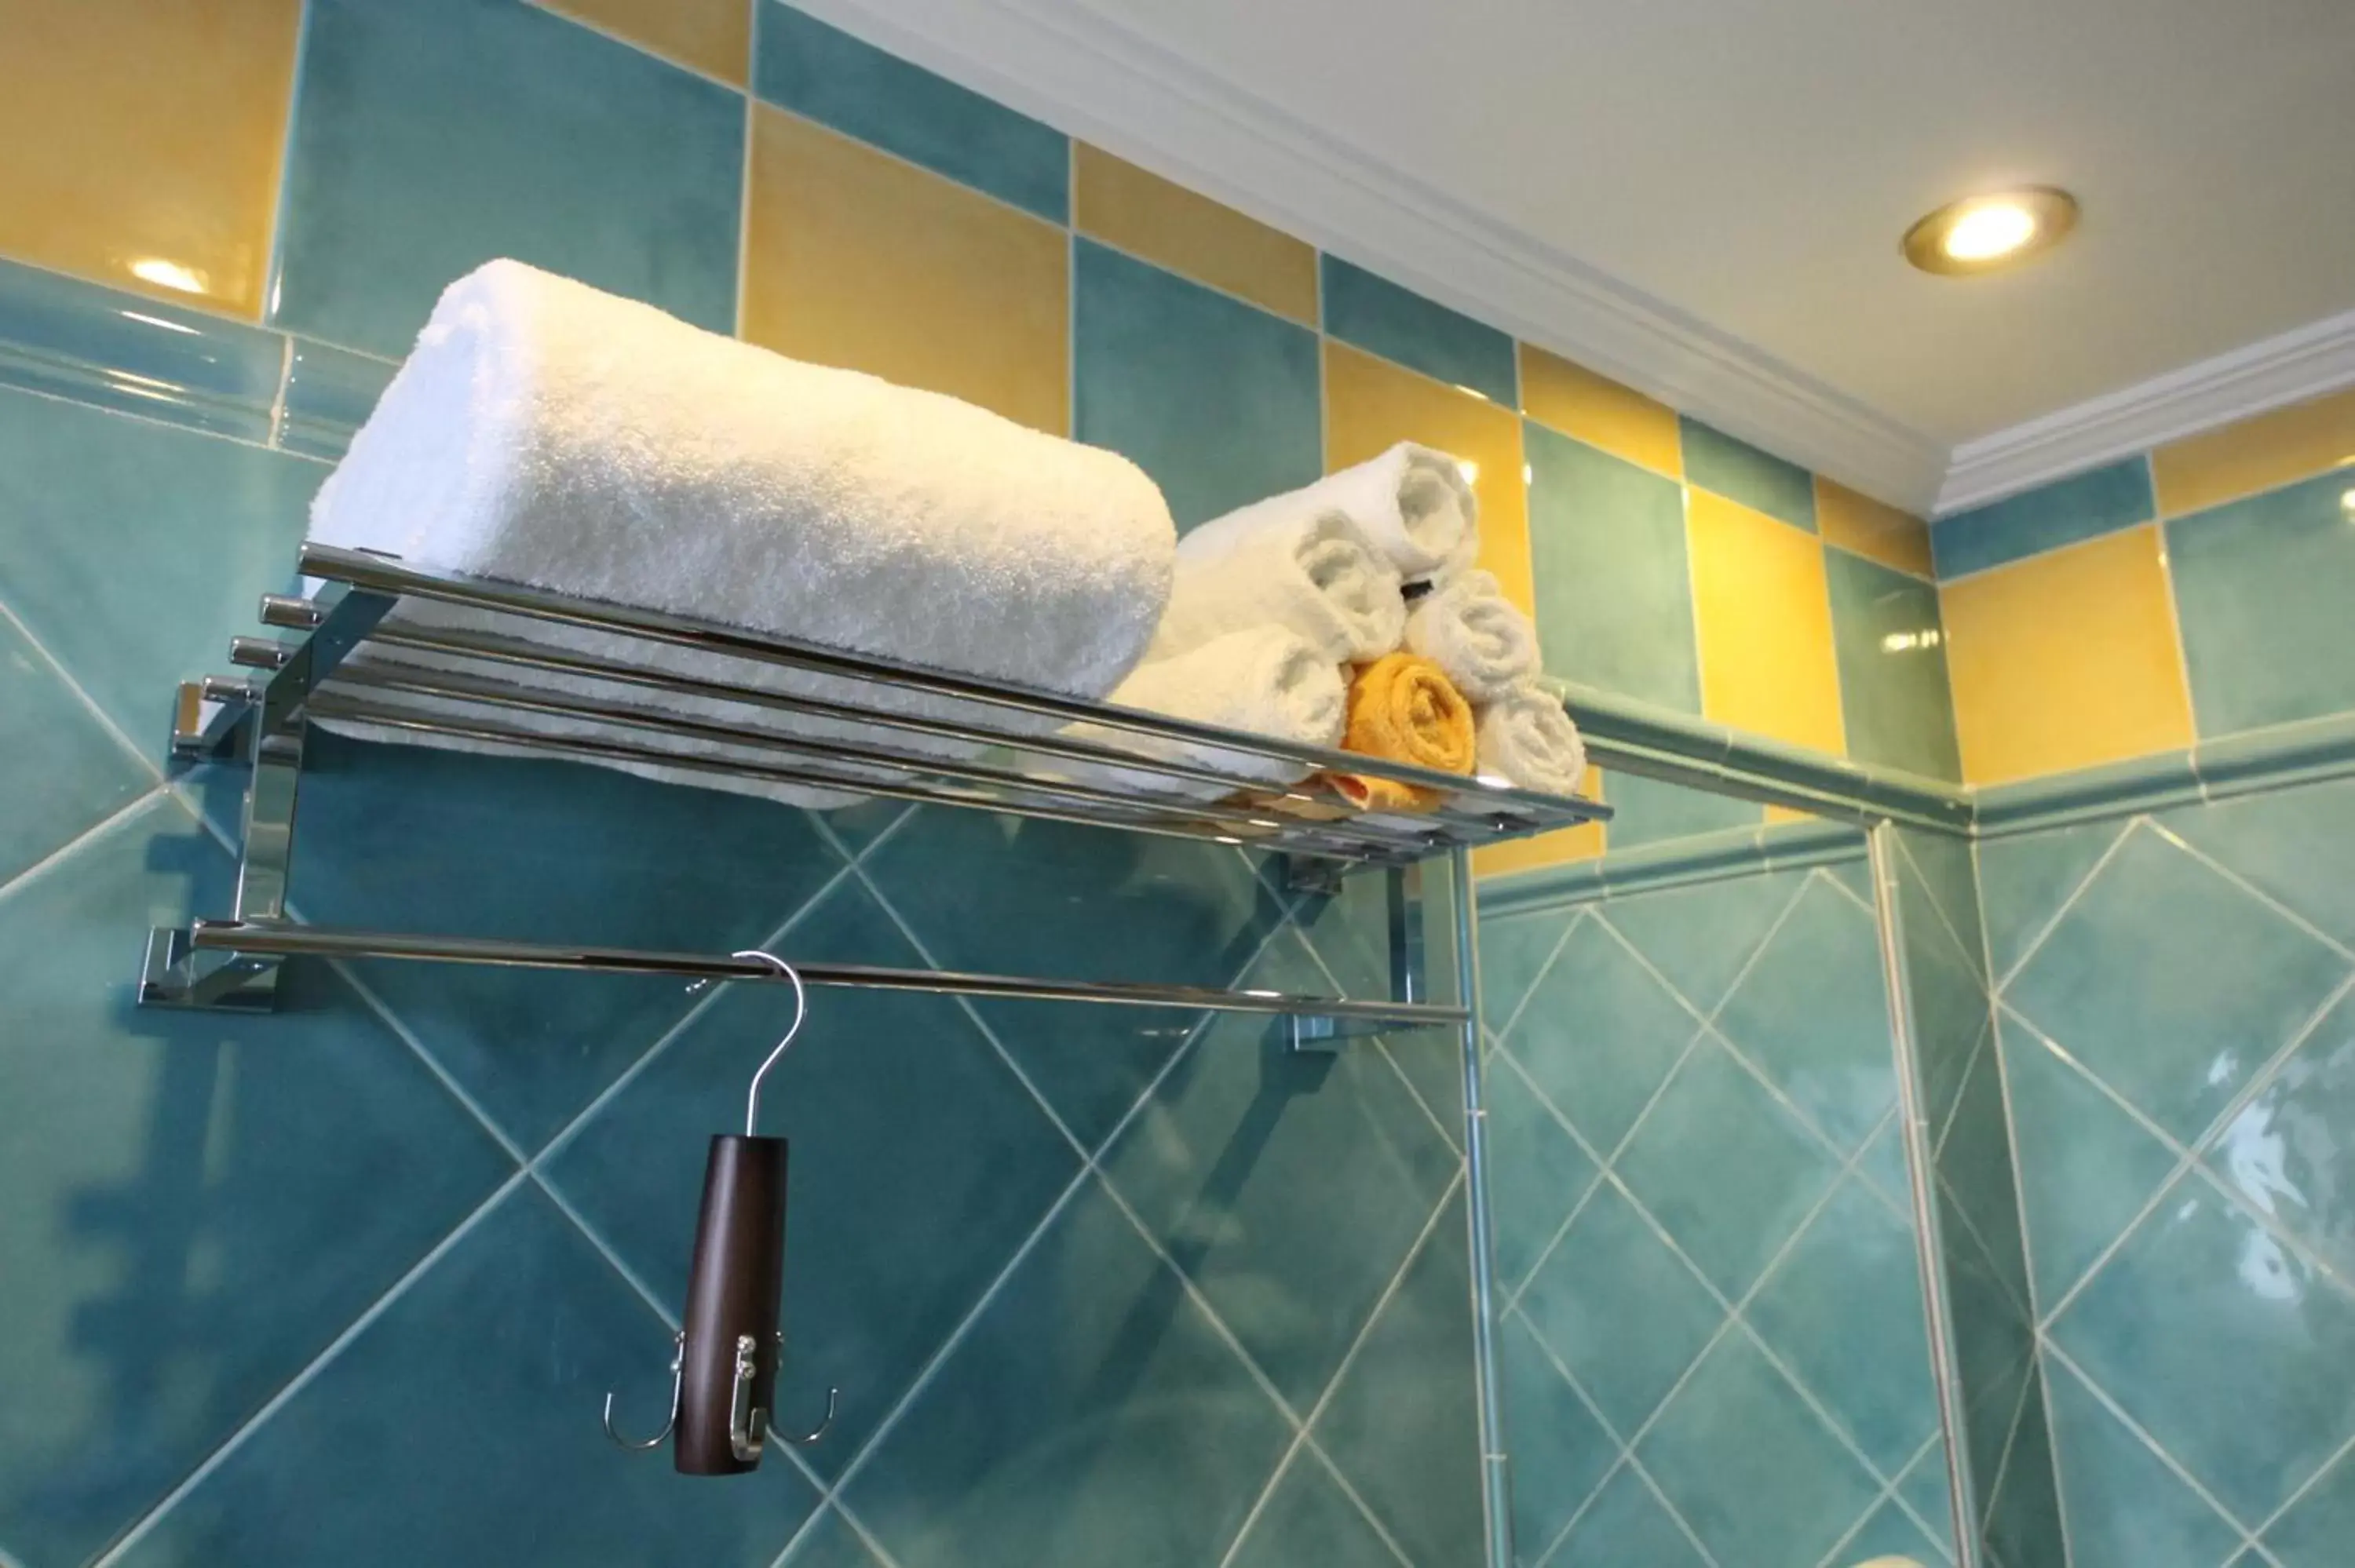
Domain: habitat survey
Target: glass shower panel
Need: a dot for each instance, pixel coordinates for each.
(1713, 1342)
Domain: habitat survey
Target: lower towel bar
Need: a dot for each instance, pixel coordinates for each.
(209, 963)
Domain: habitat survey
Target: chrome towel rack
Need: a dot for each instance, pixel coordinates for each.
(374, 644)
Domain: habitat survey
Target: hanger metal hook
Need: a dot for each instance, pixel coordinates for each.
(801, 1011)
(832, 1397)
(677, 1377)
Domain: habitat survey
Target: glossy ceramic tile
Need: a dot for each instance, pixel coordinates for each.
(1229, 1164)
(1376, 314)
(2268, 840)
(1034, 898)
(1403, 1427)
(1764, 614)
(1627, 1524)
(2023, 1521)
(2064, 511)
(1570, 399)
(1891, 1532)
(1559, 1450)
(2261, 585)
(828, 1542)
(1895, 698)
(1164, 223)
(113, 350)
(2066, 661)
(1308, 1518)
(1747, 475)
(60, 771)
(2090, 1168)
(1655, 812)
(1732, 1212)
(144, 143)
(1090, 1334)
(1874, 529)
(1754, 1471)
(2287, 1150)
(195, 1200)
(1537, 1172)
(1812, 1014)
(434, 136)
(1371, 406)
(1620, 1310)
(2256, 454)
(2314, 1532)
(1599, 1033)
(857, 259)
(920, 1163)
(1514, 950)
(825, 74)
(714, 36)
(1845, 1310)
(2025, 880)
(1614, 600)
(330, 392)
(134, 552)
(530, 1475)
(2171, 984)
(403, 838)
(1701, 939)
(2265, 1321)
(2125, 1506)
(1217, 401)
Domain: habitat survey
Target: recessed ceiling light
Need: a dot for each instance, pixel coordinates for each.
(1982, 233)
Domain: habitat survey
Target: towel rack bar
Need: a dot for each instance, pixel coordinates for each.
(268, 939)
(380, 574)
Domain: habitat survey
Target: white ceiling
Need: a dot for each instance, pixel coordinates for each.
(1748, 166)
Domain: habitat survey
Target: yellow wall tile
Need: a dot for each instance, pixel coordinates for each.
(1192, 235)
(1371, 404)
(1764, 616)
(2291, 443)
(1873, 529)
(714, 36)
(140, 142)
(2066, 660)
(856, 259)
(1559, 847)
(1599, 411)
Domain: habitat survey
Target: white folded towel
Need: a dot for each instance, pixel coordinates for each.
(1312, 573)
(1263, 680)
(1414, 504)
(1477, 638)
(545, 433)
(1526, 738)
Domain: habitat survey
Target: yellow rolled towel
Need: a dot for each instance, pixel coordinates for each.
(1402, 708)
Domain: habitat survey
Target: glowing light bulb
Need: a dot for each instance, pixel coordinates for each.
(1986, 232)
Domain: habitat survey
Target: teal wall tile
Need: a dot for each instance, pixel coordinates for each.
(2288, 1151)
(330, 393)
(1653, 810)
(1378, 316)
(428, 138)
(2262, 587)
(1620, 1310)
(60, 771)
(2094, 1168)
(1217, 400)
(1613, 585)
(97, 345)
(1891, 645)
(1537, 1171)
(2063, 512)
(1751, 475)
(1701, 938)
(197, 1203)
(821, 71)
(1811, 1015)
(526, 1477)
(1600, 1079)
(1559, 1450)
(1091, 1333)
(1309, 1519)
(2125, 1506)
(2269, 840)
(828, 1542)
(2315, 1531)
(1627, 1524)
(134, 552)
(2025, 881)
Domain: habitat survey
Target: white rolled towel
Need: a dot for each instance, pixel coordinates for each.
(1477, 638)
(545, 433)
(1312, 573)
(1413, 502)
(1526, 737)
(1263, 680)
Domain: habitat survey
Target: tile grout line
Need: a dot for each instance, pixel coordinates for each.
(1889, 1494)
(1380, 1043)
(564, 14)
(1998, 984)
(244, 1431)
(97, 830)
(2136, 1429)
(1503, 1029)
(1341, 1368)
(2168, 835)
(80, 694)
(2297, 1496)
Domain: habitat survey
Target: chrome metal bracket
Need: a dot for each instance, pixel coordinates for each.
(178, 974)
(1316, 876)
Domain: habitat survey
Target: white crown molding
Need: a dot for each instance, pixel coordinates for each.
(2303, 363)
(1101, 80)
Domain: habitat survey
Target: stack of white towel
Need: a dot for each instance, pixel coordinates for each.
(1272, 605)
